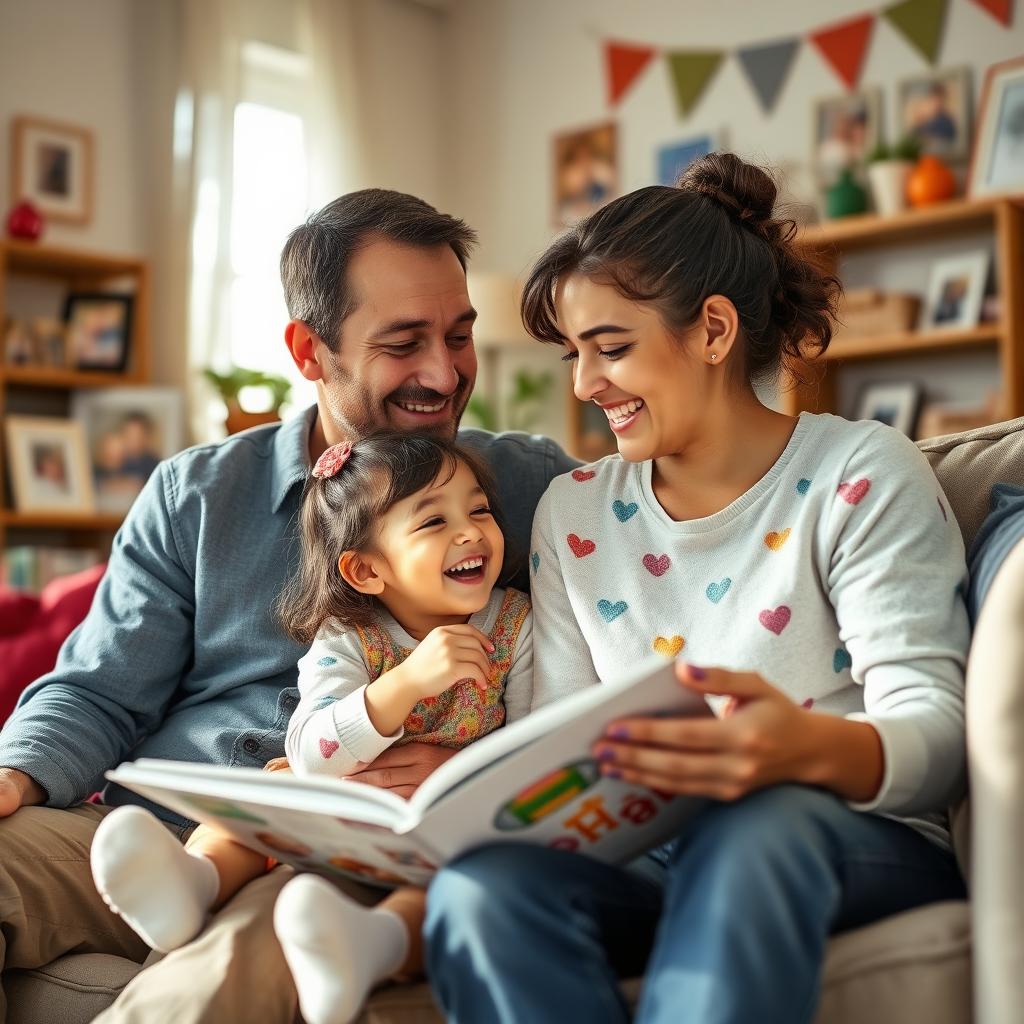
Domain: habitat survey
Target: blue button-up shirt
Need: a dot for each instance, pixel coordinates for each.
(180, 655)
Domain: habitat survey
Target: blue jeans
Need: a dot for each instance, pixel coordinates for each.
(732, 927)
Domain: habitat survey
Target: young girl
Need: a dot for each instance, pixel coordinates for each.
(411, 641)
(809, 564)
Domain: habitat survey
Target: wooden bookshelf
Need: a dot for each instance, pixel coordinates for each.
(26, 388)
(1004, 217)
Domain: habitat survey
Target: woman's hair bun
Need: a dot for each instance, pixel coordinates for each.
(745, 190)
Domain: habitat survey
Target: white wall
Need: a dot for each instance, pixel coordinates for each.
(522, 70)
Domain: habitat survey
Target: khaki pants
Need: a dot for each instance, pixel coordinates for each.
(234, 970)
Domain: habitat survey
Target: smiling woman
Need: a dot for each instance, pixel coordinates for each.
(759, 548)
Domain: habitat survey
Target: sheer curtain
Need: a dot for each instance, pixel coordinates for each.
(281, 76)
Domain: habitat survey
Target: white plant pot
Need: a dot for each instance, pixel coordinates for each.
(888, 179)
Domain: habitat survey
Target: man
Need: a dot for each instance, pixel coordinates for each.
(181, 655)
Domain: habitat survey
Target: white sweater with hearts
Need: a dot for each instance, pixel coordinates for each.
(839, 577)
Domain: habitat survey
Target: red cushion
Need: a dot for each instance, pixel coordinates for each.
(32, 630)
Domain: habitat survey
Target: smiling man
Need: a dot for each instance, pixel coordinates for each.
(182, 655)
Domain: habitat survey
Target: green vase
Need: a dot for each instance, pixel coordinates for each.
(845, 197)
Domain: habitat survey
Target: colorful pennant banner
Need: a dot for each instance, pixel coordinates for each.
(842, 45)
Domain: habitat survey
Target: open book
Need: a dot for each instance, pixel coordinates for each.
(534, 781)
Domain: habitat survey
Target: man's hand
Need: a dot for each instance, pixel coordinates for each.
(18, 790)
(402, 769)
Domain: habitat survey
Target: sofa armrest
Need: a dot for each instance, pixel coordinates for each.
(995, 750)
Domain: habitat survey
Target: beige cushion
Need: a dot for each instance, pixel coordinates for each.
(73, 989)
(968, 464)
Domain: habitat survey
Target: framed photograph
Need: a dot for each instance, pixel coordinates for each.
(674, 157)
(99, 330)
(49, 469)
(845, 129)
(935, 109)
(586, 172)
(127, 432)
(997, 163)
(52, 167)
(19, 344)
(956, 287)
(894, 403)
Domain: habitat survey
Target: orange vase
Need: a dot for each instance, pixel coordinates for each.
(930, 181)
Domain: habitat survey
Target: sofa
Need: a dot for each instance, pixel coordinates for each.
(946, 964)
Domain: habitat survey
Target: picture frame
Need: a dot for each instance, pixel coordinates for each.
(585, 171)
(897, 404)
(50, 337)
(127, 431)
(935, 109)
(52, 167)
(49, 468)
(956, 287)
(99, 330)
(672, 158)
(844, 130)
(997, 161)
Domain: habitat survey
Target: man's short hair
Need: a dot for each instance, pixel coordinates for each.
(315, 259)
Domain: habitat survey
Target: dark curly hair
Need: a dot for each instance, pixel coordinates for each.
(712, 233)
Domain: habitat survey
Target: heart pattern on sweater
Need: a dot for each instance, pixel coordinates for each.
(583, 475)
(776, 540)
(716, 591)
(775, 620)
(657, 565)
(803, 486)
(327, 661)
(624, 512)
(580, 547)
(610, 612)
(841, 659)
(853, 493)
(669, 646)
(535, 562)
(328, 748)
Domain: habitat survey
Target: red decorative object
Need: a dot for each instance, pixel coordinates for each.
(930, 181)
(1001, 10)
(25, 221)
(624, 64)
(844, 46)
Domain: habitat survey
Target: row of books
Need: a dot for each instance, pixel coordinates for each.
(31, 568)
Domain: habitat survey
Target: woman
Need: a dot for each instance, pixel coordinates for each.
(809, 574)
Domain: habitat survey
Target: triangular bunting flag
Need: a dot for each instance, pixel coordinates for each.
(766, 67)
(624, 63)
(921, 22)
(691, 71)
(844, 45)
(1001, 10)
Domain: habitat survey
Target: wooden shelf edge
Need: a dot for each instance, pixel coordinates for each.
(910, 343)
(60, 520)
(869, 228)
(48, 377)
(49, 260)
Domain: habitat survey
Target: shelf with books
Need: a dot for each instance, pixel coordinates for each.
(31, 273)
(1004, 218)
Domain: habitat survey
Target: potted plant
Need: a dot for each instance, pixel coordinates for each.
(889, 168)
(229, 385)
(524, 404)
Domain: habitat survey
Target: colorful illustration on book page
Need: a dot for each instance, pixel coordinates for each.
(223, 809)
(408, 859)
(547, 795)
(367, 872)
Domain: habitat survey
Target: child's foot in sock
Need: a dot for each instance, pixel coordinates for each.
(336, 949)
(146, 877)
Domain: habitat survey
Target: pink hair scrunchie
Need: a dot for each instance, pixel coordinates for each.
(332, 460)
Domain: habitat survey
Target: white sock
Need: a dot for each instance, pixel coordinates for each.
(337, 950)
(147, 878)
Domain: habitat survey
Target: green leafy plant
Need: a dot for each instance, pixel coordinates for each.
(906, 148)
(230, 384)
(529, 392)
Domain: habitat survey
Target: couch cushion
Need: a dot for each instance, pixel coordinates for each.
(968, 464)
(72, 990)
